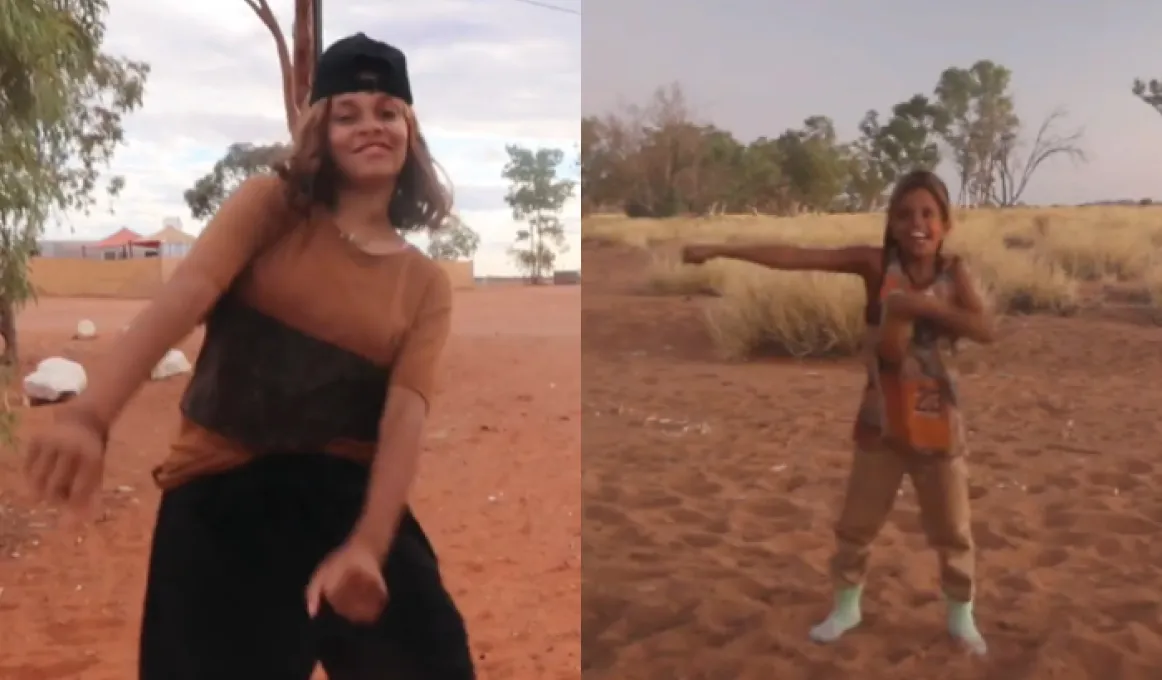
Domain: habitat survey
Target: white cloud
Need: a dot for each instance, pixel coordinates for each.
(485, 74)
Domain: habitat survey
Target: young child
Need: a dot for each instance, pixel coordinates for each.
(919, 302)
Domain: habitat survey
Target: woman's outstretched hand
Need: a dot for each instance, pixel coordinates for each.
(65, 463)
(350, 579)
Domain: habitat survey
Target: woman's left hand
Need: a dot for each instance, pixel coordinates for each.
(351, 580)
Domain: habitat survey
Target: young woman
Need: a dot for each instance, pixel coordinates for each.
(919, 302)
(284, 535)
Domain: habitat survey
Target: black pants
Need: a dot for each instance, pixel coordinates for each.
(232, 555)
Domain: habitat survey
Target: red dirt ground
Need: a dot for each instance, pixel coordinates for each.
(710, 489)
(498, 494)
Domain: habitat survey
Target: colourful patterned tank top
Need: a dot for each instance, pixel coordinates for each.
(910, 402)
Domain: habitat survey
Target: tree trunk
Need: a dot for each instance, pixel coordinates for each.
(304, 50)
(297, 70)
(535, 241)
(8, 333)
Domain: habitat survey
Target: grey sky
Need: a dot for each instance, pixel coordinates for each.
(757, 67)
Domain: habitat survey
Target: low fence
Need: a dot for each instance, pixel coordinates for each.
(136, 278)
(460, 273)
(140, 278)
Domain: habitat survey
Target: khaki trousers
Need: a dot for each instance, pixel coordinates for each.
(941, 485)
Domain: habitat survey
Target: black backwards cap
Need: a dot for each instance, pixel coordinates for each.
(360, 64)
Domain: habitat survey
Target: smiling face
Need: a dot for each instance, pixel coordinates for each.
(918, 223)
(368, 134)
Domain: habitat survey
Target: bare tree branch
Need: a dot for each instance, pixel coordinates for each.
(1013, 174)
(290, 102)
(1150, 92)
(304, 51)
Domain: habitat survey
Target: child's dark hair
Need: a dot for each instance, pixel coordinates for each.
(917, 179)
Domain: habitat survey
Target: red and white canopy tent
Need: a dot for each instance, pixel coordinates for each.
(124, 240)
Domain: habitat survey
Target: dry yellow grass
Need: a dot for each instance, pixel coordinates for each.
(1029, 260)
(1153, 284)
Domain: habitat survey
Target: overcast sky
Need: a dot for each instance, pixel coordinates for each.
(757, 67)
(485, 73)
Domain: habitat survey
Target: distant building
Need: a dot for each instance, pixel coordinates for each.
(122, 245)
(174, 242)
(170, 242)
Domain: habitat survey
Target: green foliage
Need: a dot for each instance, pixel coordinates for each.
(240, 162)
(537, 196)
(654, 161)
(454, 240)
(62, 105)
(62, 102)
(980, 123)
(886, 151)
(813, 163)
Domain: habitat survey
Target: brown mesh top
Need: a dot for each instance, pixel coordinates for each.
(307, 340)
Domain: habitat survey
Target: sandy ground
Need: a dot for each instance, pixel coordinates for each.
(498, 494)
(710, 490)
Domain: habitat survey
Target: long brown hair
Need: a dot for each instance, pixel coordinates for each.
(913, 181)
(423, 196)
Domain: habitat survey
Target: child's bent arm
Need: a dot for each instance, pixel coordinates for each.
(967, 295)
(220, 254)
(966, 317)
(860, 260)
(962, 323)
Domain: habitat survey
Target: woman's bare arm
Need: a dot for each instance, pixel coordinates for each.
(393, 471)
(862, 261)
(223, 250)
(400, 429)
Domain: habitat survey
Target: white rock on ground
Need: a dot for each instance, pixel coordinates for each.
(54, 379)
(173, 363)
(86, 330)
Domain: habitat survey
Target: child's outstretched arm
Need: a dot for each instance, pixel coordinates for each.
(860, 260)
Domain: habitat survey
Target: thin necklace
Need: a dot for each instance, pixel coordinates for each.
(350, 238)
(367, 245)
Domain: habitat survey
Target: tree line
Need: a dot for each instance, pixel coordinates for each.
(658, 160)
(537, 194)
(63, 100)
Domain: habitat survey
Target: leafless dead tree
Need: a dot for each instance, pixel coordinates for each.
(1013, 173)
